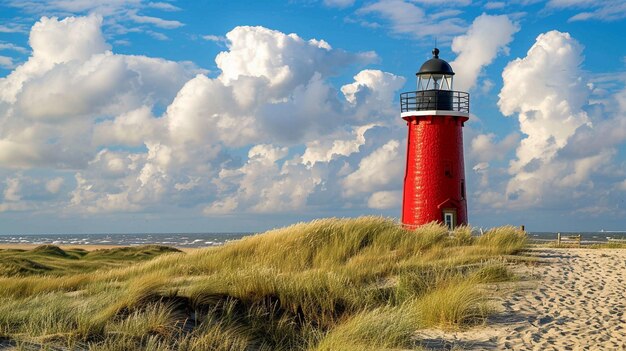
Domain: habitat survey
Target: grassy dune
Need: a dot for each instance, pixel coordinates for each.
(332, 284)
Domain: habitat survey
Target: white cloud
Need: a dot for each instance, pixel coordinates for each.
(104, 7)
(487, 37)
(373, 93)
(72, 80)
(270, 133)
(339, 3)
(565, 152)
(322, 150)
(548, 92)
(549, 109)
(122, 15)
(482, 170)
(18, 154)
(12, 190)
(377, 171)
(486, 86)
(493, 5)
(12, 206)
(226, 206)
(73, 38)
(448, 2)
(271, 85)
(157, 35)
(385, 199)
(571, 3)
(53, 42)
(267, 153)
(192, 183)
(581, 168)
(264, 53)
(86, 199)
(21, 192)
(205, 109)
(12, 28)
(309, 114)
(54, 185)
(607, 10)
(159, 22)
(13, 47)
(131, 128)
(484, 149)
(6, 62)
(215, 38)
(263, 185)
(373, 84)
(165, 6)
(406, 18)
(313, 110)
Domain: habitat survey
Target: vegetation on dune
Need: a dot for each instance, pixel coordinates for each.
(332, 284)
(51, 260)
(609, 245)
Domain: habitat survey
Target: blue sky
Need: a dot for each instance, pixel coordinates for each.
(172, 116)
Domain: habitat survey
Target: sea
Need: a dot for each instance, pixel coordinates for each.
(585, 237)
(194, 240)
(182, 240)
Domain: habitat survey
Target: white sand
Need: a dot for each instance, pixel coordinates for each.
(574, 299)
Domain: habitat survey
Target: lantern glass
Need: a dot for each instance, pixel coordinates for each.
(421, 82)
(448, 82)
(434, 82)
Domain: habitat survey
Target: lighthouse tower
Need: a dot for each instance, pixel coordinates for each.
(434, 182)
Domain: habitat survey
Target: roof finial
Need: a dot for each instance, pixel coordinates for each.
(435, 53)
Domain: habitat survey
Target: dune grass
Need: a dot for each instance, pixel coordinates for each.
(609, 245)
(331, 284)
(52, 260)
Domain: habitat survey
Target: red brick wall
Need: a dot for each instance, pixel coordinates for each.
(434, 170)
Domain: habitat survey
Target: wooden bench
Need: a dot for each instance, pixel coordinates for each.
(568, 239)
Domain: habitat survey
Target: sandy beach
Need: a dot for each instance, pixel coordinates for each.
(571, 299)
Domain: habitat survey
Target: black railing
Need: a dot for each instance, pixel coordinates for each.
(426, 100)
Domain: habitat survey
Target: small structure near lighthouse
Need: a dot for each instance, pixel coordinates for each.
(434, 182)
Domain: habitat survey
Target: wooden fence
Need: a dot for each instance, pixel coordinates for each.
(568, 239)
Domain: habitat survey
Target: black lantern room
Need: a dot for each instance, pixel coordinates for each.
(434, 89)
(435, 74)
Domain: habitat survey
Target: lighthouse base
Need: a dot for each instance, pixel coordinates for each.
(434, 183)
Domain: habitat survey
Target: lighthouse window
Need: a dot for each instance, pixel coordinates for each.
(447, 169)
(448, 220)
(462, 189)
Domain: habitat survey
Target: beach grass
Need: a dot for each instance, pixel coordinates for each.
(609, 245)
(331, 284)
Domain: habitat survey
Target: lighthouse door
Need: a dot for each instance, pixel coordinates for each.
(449, 218)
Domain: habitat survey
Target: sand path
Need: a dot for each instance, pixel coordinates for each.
(574, 299)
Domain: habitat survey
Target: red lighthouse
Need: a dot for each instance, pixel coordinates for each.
(434, 182)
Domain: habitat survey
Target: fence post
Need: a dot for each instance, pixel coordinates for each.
(558, 239)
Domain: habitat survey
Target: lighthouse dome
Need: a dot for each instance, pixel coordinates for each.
(436, 66)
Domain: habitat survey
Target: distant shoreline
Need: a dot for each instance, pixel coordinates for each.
(86, 247)
(199, 240)
(185, 240)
